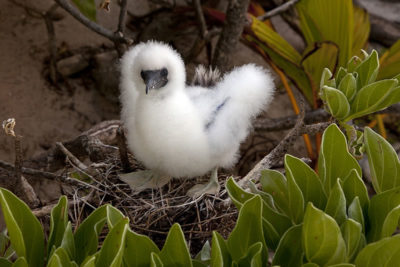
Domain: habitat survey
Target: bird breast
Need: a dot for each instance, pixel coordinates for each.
(170, 137)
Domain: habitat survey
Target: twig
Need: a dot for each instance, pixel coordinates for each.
(278, 10)
(122, 16)
(123, 153)
(45, 210)
(200, 18)
(92, 25)
(233, 27)
(52, 46)
(74, 159)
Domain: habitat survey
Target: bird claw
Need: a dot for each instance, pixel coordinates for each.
(198, 190)
(142, 180)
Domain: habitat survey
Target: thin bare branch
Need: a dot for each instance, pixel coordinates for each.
(123, 152)
(278, 10)
(92, 25)
(200, 18)
(122, 16)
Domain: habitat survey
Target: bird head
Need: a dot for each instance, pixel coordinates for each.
(154, 68)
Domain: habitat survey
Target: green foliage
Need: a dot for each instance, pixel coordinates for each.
(87, 8)
(357, 93)
(331, 213)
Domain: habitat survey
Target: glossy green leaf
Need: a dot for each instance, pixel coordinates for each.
(87, 8)
(60, 258)
(336, 205)
(20, 262)
(322, 240)
(340, 75)
(326, 79)
(353, 186)
(138, 249)
(87, 234)
(296, 200)
(248, 230)
(155, 260)
(307, 180)
(385, 252)
(90, 261)
(343, 265)
(252, 257)
(112, 250)
(328, 21)
(374, 97)
(6, 249)
(368, 70)
(24, 229)
(205, 253)
(390, 62)
(353, 63)
(175, 252)
(348, 86)
(336, 101)
(58, 223)
(355, 212)
(113, 216)
(274, 183)
(5, 263)
(335, 160)
(384, 214)
(220, 256)
(310, 264)
(289, 252)
(383, 161)
(68, 242)
(237, 194)
(353, 237)
(318, 57)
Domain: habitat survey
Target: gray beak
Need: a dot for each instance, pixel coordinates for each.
(154, 79)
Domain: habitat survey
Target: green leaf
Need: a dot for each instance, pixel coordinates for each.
(374, 97)
(138, 249)
(87, 8)
(253, 256)
(348, 86)
(307, 180)
(220, 256)
(343, 265)
(353, 186)
(340, 75)
(175, 251)
(155, 261)
(205, 253)
(60, 258)
(87, 234)
(310, 264)
(390, 62)
(326, 79)
(385, 252)
(237, 194)
(20, 262)
(274, 183)
(296, 200)
(355, 212)
(68, 242)
(353, 237)
(384, 214)
(289, 252)
(353, 63)
(6, 249)
(112, 250)
(383, 161)
(89, 261)
(248, 230)
(113, 216)
(328, 21)
(24, 229)
(58, 223)
(368, 70)
(335, 161)
(336, 206)
(321, 238)
(336, 101)
(318, 57)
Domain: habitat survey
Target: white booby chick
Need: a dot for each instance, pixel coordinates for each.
(184, 131)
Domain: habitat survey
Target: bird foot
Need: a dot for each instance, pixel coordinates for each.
(142, 180)
(211, 188)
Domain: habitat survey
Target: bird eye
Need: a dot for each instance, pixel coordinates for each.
(142, 74)
(164, 72)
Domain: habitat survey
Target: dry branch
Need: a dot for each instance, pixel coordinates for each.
(278, 10)
(233, 28)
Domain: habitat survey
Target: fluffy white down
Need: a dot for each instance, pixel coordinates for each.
(186, 131)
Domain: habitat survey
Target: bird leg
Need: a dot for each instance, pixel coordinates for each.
(212, 187)
(142, 180)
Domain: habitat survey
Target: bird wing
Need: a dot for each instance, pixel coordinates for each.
(229, 107)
